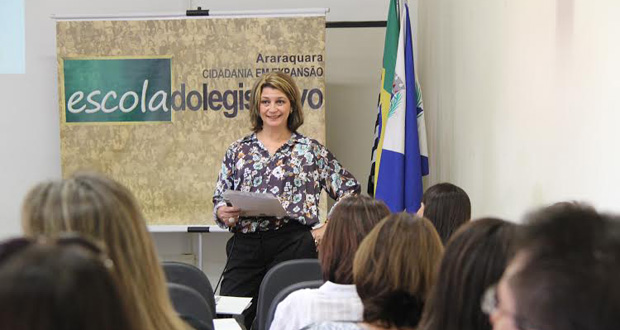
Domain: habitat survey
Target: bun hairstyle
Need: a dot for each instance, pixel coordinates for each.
(397, 302)
(394, 269)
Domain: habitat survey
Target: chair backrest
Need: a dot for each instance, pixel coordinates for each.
(191, 306)
(284, 293)
(279, 277)
(191, 276)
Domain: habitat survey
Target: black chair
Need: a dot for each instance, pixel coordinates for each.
(191, 306)
(284, 293)
(191, 276)
(279, 277)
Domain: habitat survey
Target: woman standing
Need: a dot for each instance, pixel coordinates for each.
(275, 159)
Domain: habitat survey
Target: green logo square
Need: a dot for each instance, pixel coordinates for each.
(117, 90)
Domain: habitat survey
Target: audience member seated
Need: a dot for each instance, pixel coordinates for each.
(474, 259)
(92, 205)
(349, 222)
(65, 284)
(393, 271)
(447, 207)
(564, 275)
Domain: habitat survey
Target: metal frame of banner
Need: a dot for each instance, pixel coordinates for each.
(206, 13)
(191, 229)
(356, 24)
(211, 14)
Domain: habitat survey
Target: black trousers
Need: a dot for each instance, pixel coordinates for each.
(254, 254)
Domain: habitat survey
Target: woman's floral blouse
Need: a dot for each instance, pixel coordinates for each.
(296, 174)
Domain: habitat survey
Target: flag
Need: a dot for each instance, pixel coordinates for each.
(385, 93)
(402, 155)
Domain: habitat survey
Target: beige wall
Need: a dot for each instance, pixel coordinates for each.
(521, 100)
(354, 59)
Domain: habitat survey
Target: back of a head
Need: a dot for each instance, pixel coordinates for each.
(394, 269)
(45, 287)
(95, 206)
(569, 268)
(349, 222)
(474, 259)
(447, 207)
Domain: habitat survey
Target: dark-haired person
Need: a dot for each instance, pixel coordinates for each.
(394, 270)
(564, 275)
(447, 207)
(475, 257)
(68, 285)
(336, 300)
(275, 159)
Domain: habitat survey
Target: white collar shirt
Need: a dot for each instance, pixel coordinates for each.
(330, 302)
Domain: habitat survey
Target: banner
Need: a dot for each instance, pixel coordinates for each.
(155, 104)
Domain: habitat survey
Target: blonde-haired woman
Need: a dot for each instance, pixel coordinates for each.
(95, 206)
(393, 271)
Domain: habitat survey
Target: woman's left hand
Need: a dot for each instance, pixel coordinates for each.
(318, 234)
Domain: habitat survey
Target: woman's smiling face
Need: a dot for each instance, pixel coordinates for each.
(275, 108)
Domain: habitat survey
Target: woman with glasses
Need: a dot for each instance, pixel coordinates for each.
(474, 258)
(97, 207)
(63, 284)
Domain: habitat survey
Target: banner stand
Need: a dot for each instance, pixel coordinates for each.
(199, 230)
(212, 14)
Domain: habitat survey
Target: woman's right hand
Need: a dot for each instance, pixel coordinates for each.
(229, 215)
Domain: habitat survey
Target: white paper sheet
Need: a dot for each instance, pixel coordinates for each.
(226, 324)
(255, 204)
(231, 305)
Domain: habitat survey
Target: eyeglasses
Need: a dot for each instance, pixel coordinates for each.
(490, 305)
(16, 245)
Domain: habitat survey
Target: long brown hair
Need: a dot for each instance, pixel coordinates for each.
(474, 259)
(95, 206)
(394, 269)
(447, 207)
(349, 222)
